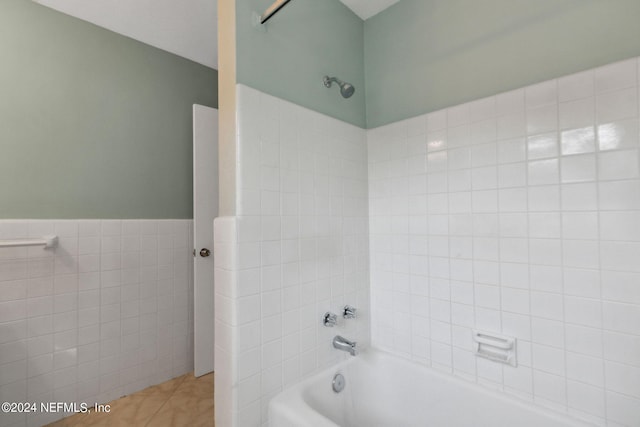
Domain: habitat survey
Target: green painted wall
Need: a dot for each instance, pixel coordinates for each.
(304, 41)
(93, 124)
(423, 55)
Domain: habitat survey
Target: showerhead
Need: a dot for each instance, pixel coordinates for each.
(346, 89)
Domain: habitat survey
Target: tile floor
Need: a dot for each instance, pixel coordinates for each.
(183, 401)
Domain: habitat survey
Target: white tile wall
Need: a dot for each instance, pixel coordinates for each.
(226, 331)
(299, 247)
(519, 214)
(107, 313)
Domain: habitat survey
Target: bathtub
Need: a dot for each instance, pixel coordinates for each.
(385, 391)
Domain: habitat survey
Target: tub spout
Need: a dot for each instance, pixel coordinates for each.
(344, 344)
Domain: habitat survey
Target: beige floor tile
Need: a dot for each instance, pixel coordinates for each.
(183, 401)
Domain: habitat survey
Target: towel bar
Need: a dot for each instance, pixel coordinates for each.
(47, 241)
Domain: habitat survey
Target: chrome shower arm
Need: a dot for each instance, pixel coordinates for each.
(329, 80)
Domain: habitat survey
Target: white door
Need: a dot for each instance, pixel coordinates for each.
(205, 209)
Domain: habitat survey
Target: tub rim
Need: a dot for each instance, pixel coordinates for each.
(292, 399)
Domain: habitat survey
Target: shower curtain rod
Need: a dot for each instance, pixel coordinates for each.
(272, 10)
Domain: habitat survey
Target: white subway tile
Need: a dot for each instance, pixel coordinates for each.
(541, 94)
(548, 359)
(546, 305)
(512, 125)
(547, 332)
(512, 175)
(512, 150)
(514, 275)
(509, 102)
(514, 250)
(578, 168)
(618, 164)
(618, 135)
(619, 195)
(577, 114)
(582, 282)
(586, 398)
(620, 286)
(520, 379)
(579, 225)
(586, 369)
(616, 76)
(513, 225)
(580, 197)
(617, 105)
(620, 226)
(545, 225)
(542, 146)
(14, 351)
(484, 178)
(576, 86)
(546, 278)
(577, 141)
(620, 255)
(580, 253)
(621, 317)
(436, 120)
(623, 409)
(622, 379)
(543, 172)
(516, 325)
(482, 109)
(512, 200)
(622, 348)
(458, 115)
(583, 311)
(544, 198)
(550, 387)
(542, 119)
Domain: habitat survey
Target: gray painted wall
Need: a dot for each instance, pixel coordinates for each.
(93, 124)
(304, 41)
(423, 55)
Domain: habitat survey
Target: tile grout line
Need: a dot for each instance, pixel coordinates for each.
(148, 421)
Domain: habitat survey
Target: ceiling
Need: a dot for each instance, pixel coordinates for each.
(365, 9)
(187, 28)
(181, 27)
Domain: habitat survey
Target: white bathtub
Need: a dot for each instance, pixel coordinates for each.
(386, 391)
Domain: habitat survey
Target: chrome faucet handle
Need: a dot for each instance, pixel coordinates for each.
(329, 319)
(349, 312)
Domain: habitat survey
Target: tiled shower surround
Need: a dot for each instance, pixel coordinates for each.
(107, 313)
(517, 214)
(297, 248)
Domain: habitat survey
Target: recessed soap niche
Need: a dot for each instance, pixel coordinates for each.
(498, 348)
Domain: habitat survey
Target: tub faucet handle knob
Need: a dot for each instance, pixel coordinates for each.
(349, 312)
(329, 319)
